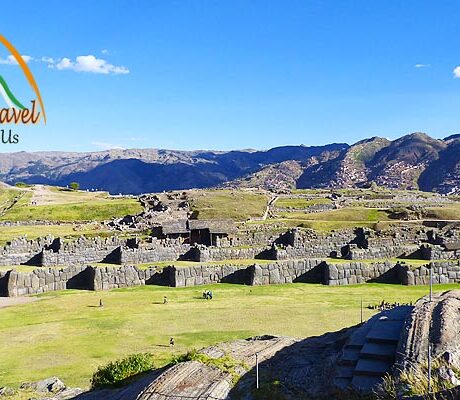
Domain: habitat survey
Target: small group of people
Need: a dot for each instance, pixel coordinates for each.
(207, 294)
(385, 305)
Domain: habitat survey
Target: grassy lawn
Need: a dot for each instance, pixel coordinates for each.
(66, 335)
(228, 204)
(300, 203)
(92, 210)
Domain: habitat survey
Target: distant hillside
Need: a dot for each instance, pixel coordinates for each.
(410, 162)
(146, 170)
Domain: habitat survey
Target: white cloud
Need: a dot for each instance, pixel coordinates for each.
(47, 60)
(457, 72)
(104, 51)
(107, 146)
(422, 65)
(87, 63)
(10, 60)
(90, 64)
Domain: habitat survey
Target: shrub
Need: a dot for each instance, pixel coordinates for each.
(115, 372)
(74, 185)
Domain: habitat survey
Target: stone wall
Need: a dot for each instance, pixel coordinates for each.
(4, 275)
(358, 272)
(206, 254)
(14, 283)
(439, 253)
(443, 272)
(280, 272)
(22, 251)
(152, 254)
(384, 251)
(206, 275)
(42, 280)
(106, 278)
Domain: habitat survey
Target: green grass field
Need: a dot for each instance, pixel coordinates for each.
(66, 334)
(228, 204)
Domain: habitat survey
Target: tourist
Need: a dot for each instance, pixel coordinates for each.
(171, 342)
(101, 304)
(165, 300)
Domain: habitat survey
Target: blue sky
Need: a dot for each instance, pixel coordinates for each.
(218, 74)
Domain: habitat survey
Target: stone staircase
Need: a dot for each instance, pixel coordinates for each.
(370, 352)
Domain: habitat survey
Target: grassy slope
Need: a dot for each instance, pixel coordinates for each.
(7, 197)
(334, 219)
(227, 204)
(72, 206)
(64, 333)
(7, 233)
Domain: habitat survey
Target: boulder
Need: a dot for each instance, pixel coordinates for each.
(49, 385)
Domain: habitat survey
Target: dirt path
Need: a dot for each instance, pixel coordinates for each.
(41, 195)
(14, 301)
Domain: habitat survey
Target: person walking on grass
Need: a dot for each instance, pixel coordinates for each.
(171, 342)
(165, 300)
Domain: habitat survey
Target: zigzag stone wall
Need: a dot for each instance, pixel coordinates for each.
(14, 283)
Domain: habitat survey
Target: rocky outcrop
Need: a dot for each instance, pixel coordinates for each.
(435, 322)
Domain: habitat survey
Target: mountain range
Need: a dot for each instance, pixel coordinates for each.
(414, 161)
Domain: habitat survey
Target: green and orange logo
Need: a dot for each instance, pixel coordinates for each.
(16, 112)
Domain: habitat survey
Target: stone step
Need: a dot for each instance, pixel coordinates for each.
(372, 367)
(344, 372)
(385, 331)
(365, 383)
(342, 383)
(350, 356)
(358, 338)
(380, 351)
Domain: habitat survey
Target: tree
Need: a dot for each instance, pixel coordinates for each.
(74, 185)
